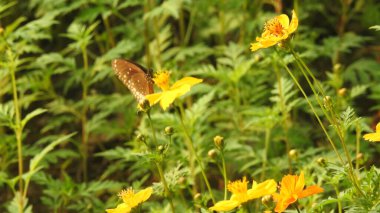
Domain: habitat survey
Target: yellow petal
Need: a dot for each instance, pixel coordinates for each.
(373, 137)
(300, 183)
(265, 188)
(293, 24)
(153, 98)
(186, 81)
(378, 127)
(263, 44)
(284, 20)
(225, 205)
(169, 96)
(121, 208)
(143, 195)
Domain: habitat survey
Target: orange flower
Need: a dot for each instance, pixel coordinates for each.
(292, 189)
(275, 31)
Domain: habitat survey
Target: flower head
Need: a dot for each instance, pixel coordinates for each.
(241, 193)
(373, 137)
(170, 93)
(292, 189)
(275, 31)
(131, 200)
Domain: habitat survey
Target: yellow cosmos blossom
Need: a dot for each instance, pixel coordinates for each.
(170, 93)
(292, 189)
(275, 31)
(131, 200)
(373, 137)
(241, 193)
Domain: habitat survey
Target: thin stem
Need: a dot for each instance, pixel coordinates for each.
(313, 110)
(296, 206)
(84, 112)
(153, 131)
(285, 116)
(266, 149)
(192, 149)
(18, 133)
(224, 171)
(337, 197)
(358, 136)
(159, 166)
(332, 118)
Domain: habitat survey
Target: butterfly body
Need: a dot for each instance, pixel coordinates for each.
(135, 77)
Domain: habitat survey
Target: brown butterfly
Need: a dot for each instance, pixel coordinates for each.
(137, 78)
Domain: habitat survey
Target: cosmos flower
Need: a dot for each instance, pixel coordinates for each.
(131, 200)
(292, 189)
(373, 137)
(276, 30)
(241, 193)
(170, 93)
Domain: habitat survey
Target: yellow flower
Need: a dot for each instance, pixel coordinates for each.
(170, 93)
(241, 193)
(373, 137)
(292, 189)
(275, 31)
(131, 200)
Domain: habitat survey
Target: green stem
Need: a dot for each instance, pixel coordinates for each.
(266, 149)
(18, 133)
(358, 136)
(224, 171)
(159, 166)
(284, 112)
(85, 135)
(192, 149)
(312, 109)
(296, 206)
(332, 118)
(337, 197)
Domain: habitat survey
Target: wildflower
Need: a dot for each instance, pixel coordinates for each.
(292, 189)
(131, 200)
(373, 137)
(240, 193)
(170, 93)
(276, 30)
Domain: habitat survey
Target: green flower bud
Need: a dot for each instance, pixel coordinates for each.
(169, 130)
(219, 142)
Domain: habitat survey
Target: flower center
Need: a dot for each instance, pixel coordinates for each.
(239, 186)
(161, 79)
(126, 194)
(274, 27)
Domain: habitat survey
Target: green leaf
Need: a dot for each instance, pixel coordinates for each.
(37, 159)
(31, 115)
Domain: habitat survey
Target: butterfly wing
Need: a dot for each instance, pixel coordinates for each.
(134, 77)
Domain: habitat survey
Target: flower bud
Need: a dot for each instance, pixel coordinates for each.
(143, 106)
(169, 130)
(293, 154)
(322, 162)
(212, 153)
(342, 92)
(337, 67)
(197, 196)
(140, 137)
(219, 142)
(160, 148)
(182, 180)
(1, 30)
(359, 156)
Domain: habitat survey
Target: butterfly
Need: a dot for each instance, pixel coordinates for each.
(137, 78)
